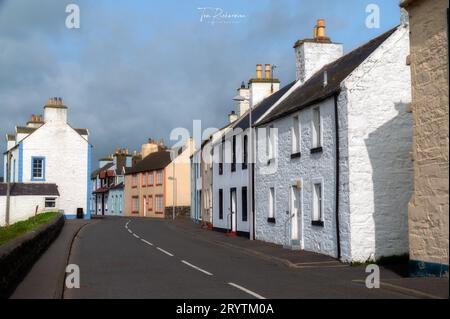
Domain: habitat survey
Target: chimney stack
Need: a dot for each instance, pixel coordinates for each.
(313, 54)
(232, 117)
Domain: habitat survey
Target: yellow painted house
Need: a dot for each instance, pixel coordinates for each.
(159, 184)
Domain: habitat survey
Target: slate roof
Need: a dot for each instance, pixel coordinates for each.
(261, 108)
(97, 171)
(118, 186)
(154, 161)
(30, 189)
(313, 91)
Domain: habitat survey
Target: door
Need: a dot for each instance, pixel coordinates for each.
(103, 204)
(233, 209)
(295, 215)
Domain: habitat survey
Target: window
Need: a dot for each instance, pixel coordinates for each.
(159, 203)
(135, 205)
(317, 205)
(150, 203)
(295, 135)
(271, 217)
(270, 140)
(316, 129)
(233, 163)
(220, 203)
(38, 169)
(245, 155)
(50, 202)
(134, 180)
(159, 178)
(151, 179)
(143, 180)
(244, 204)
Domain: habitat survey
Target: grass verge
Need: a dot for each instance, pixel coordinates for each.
(23, 227)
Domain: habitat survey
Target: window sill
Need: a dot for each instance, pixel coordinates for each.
(317, 223)
(271, 220)
(317, 150)
(296, 155)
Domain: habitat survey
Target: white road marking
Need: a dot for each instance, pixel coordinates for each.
(164, 251)
(254, 294)
(196, 268)
(129, 230)
(136, 236)
(148, 243)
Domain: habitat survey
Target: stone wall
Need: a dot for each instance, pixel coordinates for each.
(429, 209)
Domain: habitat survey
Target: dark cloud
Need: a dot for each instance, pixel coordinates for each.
(128, 75)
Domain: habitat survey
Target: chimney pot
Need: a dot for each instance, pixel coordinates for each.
(259, 71)
(320, 29)
(268, 72)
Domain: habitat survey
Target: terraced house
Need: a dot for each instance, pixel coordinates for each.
(108, 183)
(48, 150)
(158, 186)
(339, 177)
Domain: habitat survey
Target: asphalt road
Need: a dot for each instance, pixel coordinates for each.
(142, 258)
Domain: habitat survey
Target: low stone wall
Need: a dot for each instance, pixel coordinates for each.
(19, 255)
(180, 212)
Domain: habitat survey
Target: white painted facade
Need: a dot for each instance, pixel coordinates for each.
(24, 207)
(375, 138)
(66, 159)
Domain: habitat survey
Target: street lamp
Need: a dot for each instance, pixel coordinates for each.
(240, 98)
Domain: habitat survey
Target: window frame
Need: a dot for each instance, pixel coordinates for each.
(296, 135)
(49, 199)
(317, 217)
(135, 200)
(316, 136)
(33, 159)
(271, 216)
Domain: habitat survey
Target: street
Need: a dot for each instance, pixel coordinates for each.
(146, 258)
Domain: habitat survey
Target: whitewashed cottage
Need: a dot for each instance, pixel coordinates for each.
(341, 175)
(231, 191)
(48, 151)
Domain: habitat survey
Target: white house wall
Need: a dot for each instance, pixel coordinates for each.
(24, 207)
(66, 163)
(380, 170)
(285, 173)
(226, 182)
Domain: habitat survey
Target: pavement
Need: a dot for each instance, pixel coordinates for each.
(141, 258)
(45, 280)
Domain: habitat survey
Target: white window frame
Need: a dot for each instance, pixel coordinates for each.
(272, 202)
(317, 216)
(316, 136)
(48, 200)
(296, 134)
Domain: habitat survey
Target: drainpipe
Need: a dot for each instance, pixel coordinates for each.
(336, 126)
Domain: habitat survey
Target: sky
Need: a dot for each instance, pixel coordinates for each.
(136, 69)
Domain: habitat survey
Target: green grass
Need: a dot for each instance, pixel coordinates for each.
(23, 227)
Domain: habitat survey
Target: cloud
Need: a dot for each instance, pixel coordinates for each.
(137, 70)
